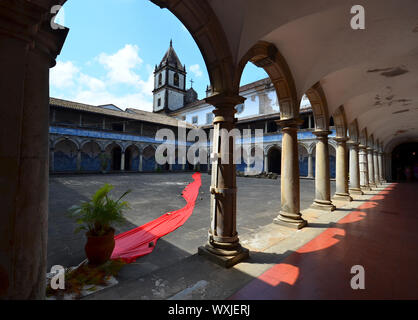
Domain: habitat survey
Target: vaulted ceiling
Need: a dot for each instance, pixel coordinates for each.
(373, 73)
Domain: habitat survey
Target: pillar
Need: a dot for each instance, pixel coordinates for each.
(266, 162)
(290, 215)
(310, 165)
(354, 186)
(370, 162)
(376, 167)
(140, 162)
(381, 167)
(322, 176)
(341, 192)
(51, 159)
(27, 50)
(122, 161)
(364, 168)
(223, 246)
(78, 160)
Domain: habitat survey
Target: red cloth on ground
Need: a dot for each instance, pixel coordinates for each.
(142, 240)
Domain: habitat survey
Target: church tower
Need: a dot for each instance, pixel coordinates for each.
(169, 83)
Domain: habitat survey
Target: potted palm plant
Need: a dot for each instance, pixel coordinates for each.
(98, 216)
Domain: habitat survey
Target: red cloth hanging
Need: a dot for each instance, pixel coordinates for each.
(142, 240)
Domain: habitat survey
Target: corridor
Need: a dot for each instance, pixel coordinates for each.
(380, 236)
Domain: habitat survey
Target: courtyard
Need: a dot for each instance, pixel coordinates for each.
(152, 195)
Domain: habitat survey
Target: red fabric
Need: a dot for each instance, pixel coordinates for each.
(142, 240)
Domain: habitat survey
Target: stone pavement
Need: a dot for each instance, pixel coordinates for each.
(196, 278)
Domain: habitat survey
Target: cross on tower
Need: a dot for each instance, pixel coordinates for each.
(191, 83)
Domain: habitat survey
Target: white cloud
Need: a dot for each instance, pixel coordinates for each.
(63, 74)
(70, 82)
(196, 70)
(122, 64)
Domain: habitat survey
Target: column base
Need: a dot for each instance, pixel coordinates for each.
(223, 258)
(372, 185)
(356, 191)
(342, 197)
(366, 188)
(323, 205)
(290, 220)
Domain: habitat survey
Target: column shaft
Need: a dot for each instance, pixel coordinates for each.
(78, 160)
(354, 187)
(364, 168)
(310, 165)
(341, 192)
(122, 161)
(376, 167)
(322, 175)
(223, 245)
(290, 215)
(370, 162)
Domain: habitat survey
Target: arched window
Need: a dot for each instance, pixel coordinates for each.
(160, 79)
(176, 79)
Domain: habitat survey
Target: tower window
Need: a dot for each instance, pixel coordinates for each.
(159, 102)
(160, 79)
(176, 79)
(195, 120)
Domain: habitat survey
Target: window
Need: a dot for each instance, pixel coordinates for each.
(195, 119)
(176, 79)
(239, 108)
(209, 118)
(160, 79)
(159, 102)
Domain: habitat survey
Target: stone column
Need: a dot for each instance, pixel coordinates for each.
(322, 176)
(341, 192)
(27, 50)
(364, 168)
(140, 162)
(51, 159)
(223, 245)
(122, 161)
(376, 167)
(310, 165)
(290, 215)
(370, 162)
(381, 168)
(78, 160)
(354, 187)
(266, 163)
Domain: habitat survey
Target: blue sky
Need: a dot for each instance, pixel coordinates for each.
(112, 48)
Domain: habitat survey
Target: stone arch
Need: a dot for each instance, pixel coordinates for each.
(57, 141)
(65, 155)
(200, 20)
(353, 131)
(319, 105)
(113, 152)
(363, 137)
(340, 123)
(132, 153)
(303, 155)
(274, 159)
(265, 55)
(90, 156)
(148, 158)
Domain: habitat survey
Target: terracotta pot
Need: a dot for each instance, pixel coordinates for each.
(99, 249)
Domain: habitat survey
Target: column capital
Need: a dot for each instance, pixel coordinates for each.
(362, 147)
(292, 123)
(322, 133)
(353, 144)
(30, 22)
(340, 140)
(225, 100)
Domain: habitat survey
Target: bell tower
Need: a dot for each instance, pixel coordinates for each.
(169, 83)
